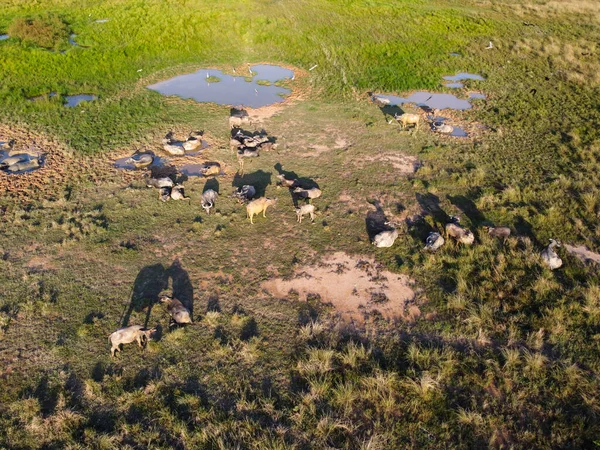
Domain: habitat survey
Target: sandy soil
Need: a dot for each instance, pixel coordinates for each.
(355, 286)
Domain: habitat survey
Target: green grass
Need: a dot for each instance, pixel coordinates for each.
(505, 353)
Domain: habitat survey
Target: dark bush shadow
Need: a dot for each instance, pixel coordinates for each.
(148, 285)
(468, 208)
(213, 304)
(375, 220)
(249, 329)
(211, 183)
(46, 395)
(259, 179)
(430, 203)
(182, 285)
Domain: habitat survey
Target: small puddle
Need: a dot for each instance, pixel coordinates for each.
(195, 170)
(101, 20)
(464, 76)
(454, 85)
(74, 100)
(122, 163)
(432, 101)
(4, 37)
(229, 90)
(73, 43)
(477, 96)
(455, 54)
(456, 131)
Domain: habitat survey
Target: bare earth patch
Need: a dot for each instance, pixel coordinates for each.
(355, 286)
(404, 164)
(583, 253)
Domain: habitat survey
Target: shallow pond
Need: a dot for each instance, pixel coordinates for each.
(454, 85)
(229, 90)
(433, 101)
(74, 100)
(464, 76)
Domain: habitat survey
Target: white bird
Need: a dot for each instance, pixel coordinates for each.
(490, 46)
(256, 91)
(293, 77)
(139, 70)
(250, 70)
(313, 67)
(207, 75)
(234, 70)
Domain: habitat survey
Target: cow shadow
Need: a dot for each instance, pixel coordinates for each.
(259, 179)
(468, 208)
(148, 284)
(182, 285)
(153, 280)
(391, 111)
(375, 222)
(211, 183)
(430, 204)
(524, 228)
(286, 173)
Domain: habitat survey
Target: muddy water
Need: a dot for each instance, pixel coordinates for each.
(456, 132)
(26, 158)
(74, 100)
(122, 164)
(433, 101)
(230, 90)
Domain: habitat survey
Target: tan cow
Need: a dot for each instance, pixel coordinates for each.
(259, 205)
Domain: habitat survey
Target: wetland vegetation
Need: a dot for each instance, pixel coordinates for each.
(491, 349)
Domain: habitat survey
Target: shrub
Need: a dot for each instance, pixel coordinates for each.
(46, 31)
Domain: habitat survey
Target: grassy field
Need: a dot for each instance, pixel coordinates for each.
(505, 352)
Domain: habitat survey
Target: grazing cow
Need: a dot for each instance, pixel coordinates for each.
(128, 335)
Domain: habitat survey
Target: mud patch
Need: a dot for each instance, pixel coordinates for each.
(317, 150)
(46, 181)
(356, 287)
(583, 253)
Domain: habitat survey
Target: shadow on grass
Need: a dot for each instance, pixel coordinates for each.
(150, 282)
(375, 222)
(259, 179)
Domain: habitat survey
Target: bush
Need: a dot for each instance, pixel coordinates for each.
(46, 31)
